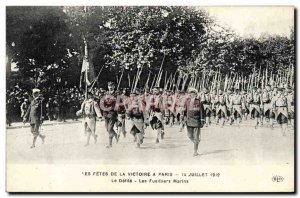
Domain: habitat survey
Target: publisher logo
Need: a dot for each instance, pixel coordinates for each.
(277, 178)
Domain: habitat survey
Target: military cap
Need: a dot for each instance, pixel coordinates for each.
(35, 90)
(192, 90)
(110, 83)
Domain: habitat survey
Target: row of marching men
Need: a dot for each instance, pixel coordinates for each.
(267, 105)
(150, 108)
(191, 109)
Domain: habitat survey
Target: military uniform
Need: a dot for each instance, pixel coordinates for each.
(221, 108)
(107, 104)
(156, 109)
(90, 110)
(281, 106)
(195, 115)
(255, 104)
(24, 107)
(237, 104)
(169, 101)
(34, 116)
(136, 115)
(291, 100)
(266, 103)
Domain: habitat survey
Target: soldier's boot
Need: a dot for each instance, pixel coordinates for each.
(124, 134)
(245, 116)
(271, 123)
(206, 121)
(238, 121)
(222, 121)
(162, 134)
(261, 121)
(217, 121)
(139, 137)
(256, 123)
(95, 138)
(196, 144)
(110, 139)
(231, 120)
(33, 142)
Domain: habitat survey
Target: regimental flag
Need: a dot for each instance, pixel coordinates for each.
(87, 70)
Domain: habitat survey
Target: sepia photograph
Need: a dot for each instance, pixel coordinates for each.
(150, 99)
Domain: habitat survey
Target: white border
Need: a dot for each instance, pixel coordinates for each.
(110, 2)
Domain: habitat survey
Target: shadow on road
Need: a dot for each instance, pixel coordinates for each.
(161, 146)
(217, 151)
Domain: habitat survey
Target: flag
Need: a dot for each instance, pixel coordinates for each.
(87, 70)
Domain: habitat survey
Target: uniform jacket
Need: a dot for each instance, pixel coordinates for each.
(194, 112)
(33, 113)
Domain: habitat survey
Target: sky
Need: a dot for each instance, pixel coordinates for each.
(255, 21)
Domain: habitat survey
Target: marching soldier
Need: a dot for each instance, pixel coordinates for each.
(34, 116)
(90, 110)
(282, 108)
(24, 107)
(237, 105)
(155, 105)
(50, 109)
(169, 107)
(179, 109)
(255, 104)
(136, 115)
(290, 97)
(121, 110)
(107, 103)
(228, 98)
(206, 101)
(195, 118)
(272, 110)
(266, 101)
(213, 97)
(246, 106)
(221, 108)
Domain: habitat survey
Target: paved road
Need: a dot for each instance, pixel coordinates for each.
(219, 146)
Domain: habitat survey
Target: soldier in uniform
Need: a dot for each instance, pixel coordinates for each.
(266, 101)
(255, 104)
(228, 98)
(290, 97)
(50, 109)
(213, 97)
(272, 110)
(206, 101)
(179, 109)
(136, 115)
(90, 110)
(282, 107)
(195, 113)
(246, 106)
(34, 116)
(121, 110)
(156, 108)
(237, 105)
(107, 104)
(221, 108)
(169, 101)
(24, 107)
